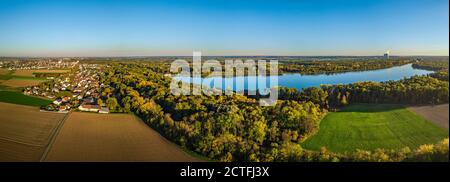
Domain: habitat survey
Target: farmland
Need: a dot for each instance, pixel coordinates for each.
(10, 89)
(21, 78)
(372, 126)
(111, 137)
(24, 78)
(3, 71)
(437, 114)
(5, 74)
(31, 73)
(25, 132)
(21, 82)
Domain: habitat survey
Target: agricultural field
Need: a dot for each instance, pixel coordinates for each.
(4, 71)
(372, 126)
(19, 98)
(15, 82)
(111, 137)
(25, 132)
(10, 89)
(31, 73)
(5, 74)
(20, 78)
(437, 114)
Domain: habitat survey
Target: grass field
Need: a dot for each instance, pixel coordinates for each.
(25, 132)
(19, 98)
(371, 126)
(112, 137)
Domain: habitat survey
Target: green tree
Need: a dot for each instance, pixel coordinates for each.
(112, 103)
(99, 102)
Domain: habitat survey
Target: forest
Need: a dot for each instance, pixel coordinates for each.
(415, 90)
(337, 66)
(226, 128)
(434, 64)
(236, 128)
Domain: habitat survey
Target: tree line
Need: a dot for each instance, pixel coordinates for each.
(338, 66)
(415, 90)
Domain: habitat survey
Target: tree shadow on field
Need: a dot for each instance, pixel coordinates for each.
(371, 108)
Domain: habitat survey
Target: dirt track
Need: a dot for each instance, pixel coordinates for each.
(112, 137)
(437, 114)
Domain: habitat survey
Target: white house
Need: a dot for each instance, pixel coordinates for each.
(57, 102)
(104, 110)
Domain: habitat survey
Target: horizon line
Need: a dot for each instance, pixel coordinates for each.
(223, 56)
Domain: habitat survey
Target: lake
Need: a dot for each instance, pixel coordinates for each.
(299, 81)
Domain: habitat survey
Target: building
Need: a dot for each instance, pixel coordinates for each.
(104, 110)
(386, 55)
(57, 101)
(89, 108)
(63, 109)
(89, 100)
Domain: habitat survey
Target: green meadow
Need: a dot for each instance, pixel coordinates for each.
(372, 126)
(19, 98)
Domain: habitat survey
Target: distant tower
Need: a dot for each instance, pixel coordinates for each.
(386, 55)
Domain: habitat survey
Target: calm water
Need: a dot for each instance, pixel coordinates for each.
(299, 81)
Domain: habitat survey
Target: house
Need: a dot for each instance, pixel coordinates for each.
(63, 109)
(88, 100)
(57, 101)
(104, 110)
(65, 99)
(88, 108)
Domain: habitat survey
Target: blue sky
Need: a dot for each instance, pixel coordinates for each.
(223, 27)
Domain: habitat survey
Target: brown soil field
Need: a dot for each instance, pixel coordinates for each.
(21, 83)
(3, 71)
(30, 72)
(112, 137)
(437, 114)
(25, 132)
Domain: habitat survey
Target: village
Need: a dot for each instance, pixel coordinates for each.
(75, 90)
(51, 63)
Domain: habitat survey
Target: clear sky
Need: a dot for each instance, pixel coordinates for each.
(223, 27)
